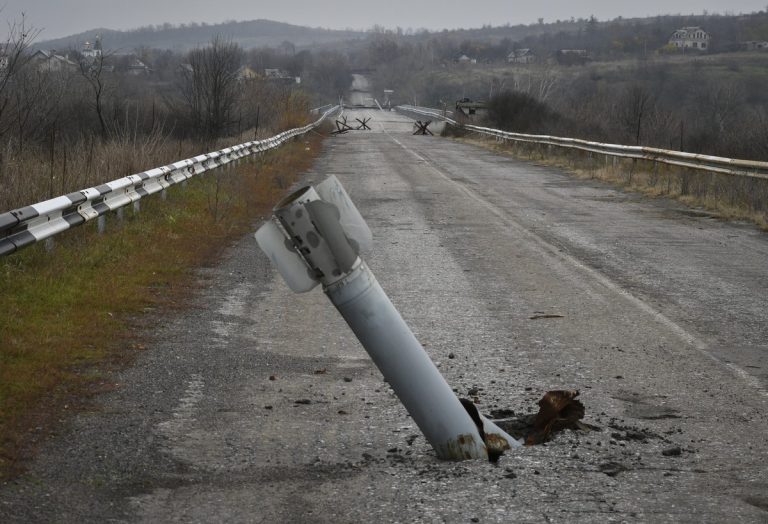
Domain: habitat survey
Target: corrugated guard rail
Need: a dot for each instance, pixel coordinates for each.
(321, 109)
(715, 164)
(25, 226)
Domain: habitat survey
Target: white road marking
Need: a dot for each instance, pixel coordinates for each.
(185, 412)
(675, 328)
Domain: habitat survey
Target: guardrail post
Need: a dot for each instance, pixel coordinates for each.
(137, 206)
(50, 245)
(164, 195)
(315, 237)
(120, 214)
(101, 224)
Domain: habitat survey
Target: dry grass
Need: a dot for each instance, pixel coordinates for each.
(38, 172)
(70, 315)
(728, 197)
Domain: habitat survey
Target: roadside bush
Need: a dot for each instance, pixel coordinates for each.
(518, 112)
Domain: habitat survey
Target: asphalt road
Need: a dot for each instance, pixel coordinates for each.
(257, 405)
(360, 94)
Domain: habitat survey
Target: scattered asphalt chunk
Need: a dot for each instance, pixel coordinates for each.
(321, 371)
(341, 412)
(267, 407)
(473, 392)
(451, 356)
(347, 379)
(302, 401)
(501, 413)
(272, 377)
(630, 435)
(612, 468)
(542, 316)
(674, 451)
(393, 450)
(411, 439)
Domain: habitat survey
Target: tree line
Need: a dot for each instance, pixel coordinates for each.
(72, 120)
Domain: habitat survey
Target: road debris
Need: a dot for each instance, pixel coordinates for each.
(612, 468)
(545, 315)
(558, 410)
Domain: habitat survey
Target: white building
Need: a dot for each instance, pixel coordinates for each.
(690, 37)
(464, 59)
(521, 56)
(50, 62)
(92, 50)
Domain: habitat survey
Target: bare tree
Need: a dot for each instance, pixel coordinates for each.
(35, 99)
(13, 58)
(92, 69)
(210, 87)
(722, 100)
(634, 106)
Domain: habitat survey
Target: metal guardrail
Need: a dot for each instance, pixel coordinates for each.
(715, 164)
(25, 226)
(321, 109)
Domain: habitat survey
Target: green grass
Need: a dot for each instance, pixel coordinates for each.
(71, 315)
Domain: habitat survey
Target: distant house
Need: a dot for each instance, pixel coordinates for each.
(521, 56)
(572, 56)
(185, 69)
(51, 62)
(464, 59)
(275, 73)
(92, 50)
(754, 45)
(137, 68)
(690, 38)
(247, 73)
(278, 75)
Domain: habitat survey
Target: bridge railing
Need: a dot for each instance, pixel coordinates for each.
(321, 109)
(715, 164)
(27, 225)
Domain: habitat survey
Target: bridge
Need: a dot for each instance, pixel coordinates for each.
(255, 404)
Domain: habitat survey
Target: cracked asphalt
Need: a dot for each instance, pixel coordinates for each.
(257, 405)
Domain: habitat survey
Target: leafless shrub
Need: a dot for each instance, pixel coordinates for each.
(210, 87)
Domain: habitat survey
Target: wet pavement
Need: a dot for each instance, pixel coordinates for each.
(257, 405)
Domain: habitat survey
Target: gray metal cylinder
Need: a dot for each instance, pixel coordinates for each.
(406, 366)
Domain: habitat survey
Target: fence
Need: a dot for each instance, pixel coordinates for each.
(715, 164)
(25, 226)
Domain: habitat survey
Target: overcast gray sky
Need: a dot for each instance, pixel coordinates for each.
(64, 17)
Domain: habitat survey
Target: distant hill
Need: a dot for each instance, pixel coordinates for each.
(249, 34)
